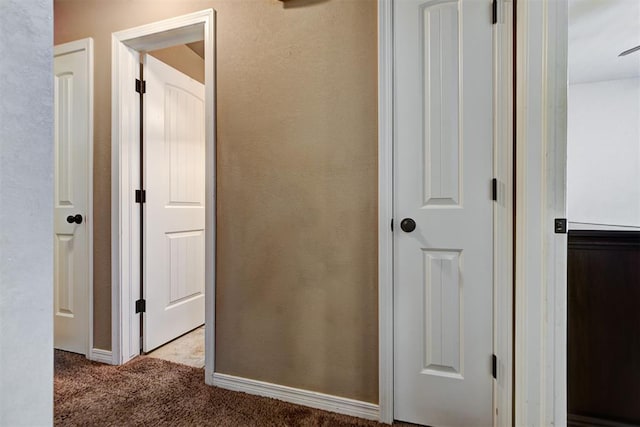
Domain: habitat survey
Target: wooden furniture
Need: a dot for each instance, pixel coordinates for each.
(604, 328)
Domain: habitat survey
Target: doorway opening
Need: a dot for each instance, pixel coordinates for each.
(603, 212)
(128, 300)
(173, 214)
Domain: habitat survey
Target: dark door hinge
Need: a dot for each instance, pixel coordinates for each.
(141, 86)
(141, 196)
(141, 306)
(494, 366)
(494, 189)
(391, 224)
(560, 226)
(494, 11)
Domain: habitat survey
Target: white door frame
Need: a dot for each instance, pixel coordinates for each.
(503, 218)
(125, 227)
(541, 257)
(385, 210)
(65, 48)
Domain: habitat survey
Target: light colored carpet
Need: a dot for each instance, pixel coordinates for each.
(154, 392)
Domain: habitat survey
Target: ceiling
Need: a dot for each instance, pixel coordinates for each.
(598, 31)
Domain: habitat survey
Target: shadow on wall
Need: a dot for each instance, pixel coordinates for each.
(290, 4)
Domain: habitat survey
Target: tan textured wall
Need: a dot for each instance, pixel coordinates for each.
(297, 252)
(182, 59)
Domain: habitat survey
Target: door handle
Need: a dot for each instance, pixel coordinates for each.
(74, 218)
(408, 225)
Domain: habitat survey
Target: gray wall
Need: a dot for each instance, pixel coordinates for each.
(26, 212)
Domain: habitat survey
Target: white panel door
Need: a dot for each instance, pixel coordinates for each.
(174, 226)
(443, 169)
(72, 145)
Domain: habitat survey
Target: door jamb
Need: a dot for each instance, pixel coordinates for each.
(126, 46)
(541, 257)
(385, 210)
(86, 44)
(503, 229)
(503, 212)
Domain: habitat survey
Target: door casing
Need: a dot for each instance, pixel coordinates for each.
(125, 158)
(541, 254)
(503, 213)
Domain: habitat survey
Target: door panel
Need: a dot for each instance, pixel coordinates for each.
(442, 315)
(443, 169)
(64, 268)
(71, 197)
(174, 147)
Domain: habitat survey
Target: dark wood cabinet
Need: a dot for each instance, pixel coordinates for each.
(603, 328)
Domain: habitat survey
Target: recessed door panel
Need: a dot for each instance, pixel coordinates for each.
(186, 269)
(64, 271)
(440, 79)
(64, 134)
(442, 323)
(185, 147)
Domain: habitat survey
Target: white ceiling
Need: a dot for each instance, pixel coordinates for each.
(598, 31)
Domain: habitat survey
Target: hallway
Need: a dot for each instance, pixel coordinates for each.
(149, 391)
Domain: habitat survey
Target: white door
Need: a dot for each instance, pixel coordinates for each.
(174, 217)
(443, 170)
(73, 160)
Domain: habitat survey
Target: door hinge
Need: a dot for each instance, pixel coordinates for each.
(494, 366)
(141, 196)
(494, 11)
(141, 86)
(494, 189)
(141, 306)
(560, 226)
(391, 224)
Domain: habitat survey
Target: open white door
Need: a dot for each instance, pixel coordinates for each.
(72, 198)
(443, 285)
(174, 217)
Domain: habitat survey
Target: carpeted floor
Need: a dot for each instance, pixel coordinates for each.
(154, 392)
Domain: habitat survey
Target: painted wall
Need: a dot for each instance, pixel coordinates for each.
(26, 213)
(297, 183)
(603, 158)
(182, 59)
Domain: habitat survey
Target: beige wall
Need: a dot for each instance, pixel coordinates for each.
(182, 59)
(297, 243)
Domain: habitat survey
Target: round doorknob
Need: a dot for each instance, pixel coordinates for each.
(408, 225)
(74, 218)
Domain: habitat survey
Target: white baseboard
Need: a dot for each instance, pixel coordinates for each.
(102, 356)
(341, 405)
